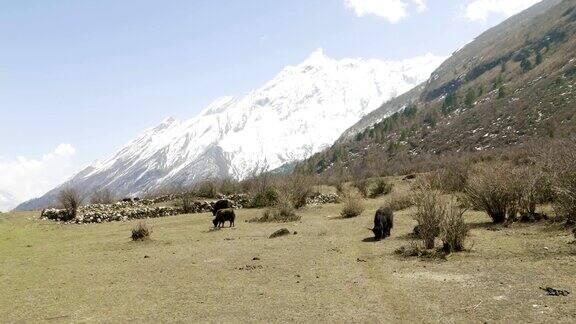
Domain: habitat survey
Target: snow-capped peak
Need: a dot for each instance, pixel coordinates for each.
(302, 110)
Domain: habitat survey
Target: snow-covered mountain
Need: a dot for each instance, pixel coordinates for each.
(304, 109)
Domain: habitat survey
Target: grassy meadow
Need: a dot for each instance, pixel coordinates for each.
(330, 270)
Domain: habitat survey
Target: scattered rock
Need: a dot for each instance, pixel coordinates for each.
(146, 257)
(280, 232)
(251, 267)
(555, 292)
(295, 232)
(255, 259)
(360, 260)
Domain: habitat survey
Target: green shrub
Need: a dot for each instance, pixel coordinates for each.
(265, 198)
(282, 211)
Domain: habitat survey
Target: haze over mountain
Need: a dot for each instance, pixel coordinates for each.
(301, 111)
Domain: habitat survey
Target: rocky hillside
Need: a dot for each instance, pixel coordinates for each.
(301, 111)
(513, 84)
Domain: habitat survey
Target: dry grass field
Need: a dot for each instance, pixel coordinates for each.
(330, 271)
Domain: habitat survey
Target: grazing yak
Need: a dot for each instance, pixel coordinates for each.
(224, 215)
(383, 223)
(221, 204)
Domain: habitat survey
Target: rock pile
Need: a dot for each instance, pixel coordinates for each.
(238, 200)
(322, 199)
(119, 211)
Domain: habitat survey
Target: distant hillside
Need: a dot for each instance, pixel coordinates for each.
(513, 84)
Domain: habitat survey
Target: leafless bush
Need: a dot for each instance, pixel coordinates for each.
(430, 210)
(451, 178)
(362, 186)
(206, 189)
(70, 199)
(229, 187)
(141, 232)
(400, 202)
(562, 166)
(381, 188)
(353, 205)
(103, 197)
(453, 229)
(186, 202)
(297, 187)
(493, 189)
(534, 186)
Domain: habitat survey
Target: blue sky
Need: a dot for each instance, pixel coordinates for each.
(94, 74)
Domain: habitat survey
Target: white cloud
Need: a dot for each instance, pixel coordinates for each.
(25, 178)
(65, 149)
(481, 9)
(392, 10)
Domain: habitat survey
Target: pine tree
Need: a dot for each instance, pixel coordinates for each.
(538, 58)
(501, 92)
(470, 98)
(526, 65)
(450, 103)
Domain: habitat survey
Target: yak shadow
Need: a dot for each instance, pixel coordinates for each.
(372, 239)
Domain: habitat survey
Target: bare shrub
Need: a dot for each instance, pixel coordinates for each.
(362, 186)
(340, 187)
(282, 211)
(562, 166)
(453, 229)
(206, 189)
(102, 197)
(534, 187)
(452, 178)
(401, 202)
(430, 210)
(141, 232)
(493, 189)
(70, 200)
(186, 202)
(229, 187)
(298, 187)
(381, 188)
(353, 205)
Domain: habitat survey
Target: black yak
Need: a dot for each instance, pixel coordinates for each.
(224, 215)
(221, 204)
(383, 223)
